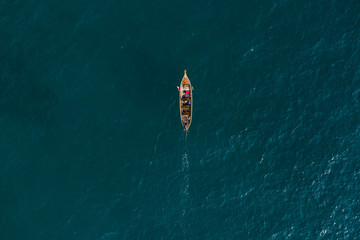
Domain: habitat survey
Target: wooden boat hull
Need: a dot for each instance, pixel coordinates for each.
(185, 102)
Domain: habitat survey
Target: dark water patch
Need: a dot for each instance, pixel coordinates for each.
(23, 98)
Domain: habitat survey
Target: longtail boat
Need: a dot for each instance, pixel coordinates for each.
(186, 102)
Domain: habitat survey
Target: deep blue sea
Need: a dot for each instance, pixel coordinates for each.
(91, 144)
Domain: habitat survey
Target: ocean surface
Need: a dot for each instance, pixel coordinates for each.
(91, 144)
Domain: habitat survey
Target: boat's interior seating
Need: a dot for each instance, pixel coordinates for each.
(185, 120)
(186, 106)
(186, 98)
(186, 87)
(185, 111)
(186, 92)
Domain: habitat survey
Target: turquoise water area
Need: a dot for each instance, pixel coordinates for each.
(91, 145)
